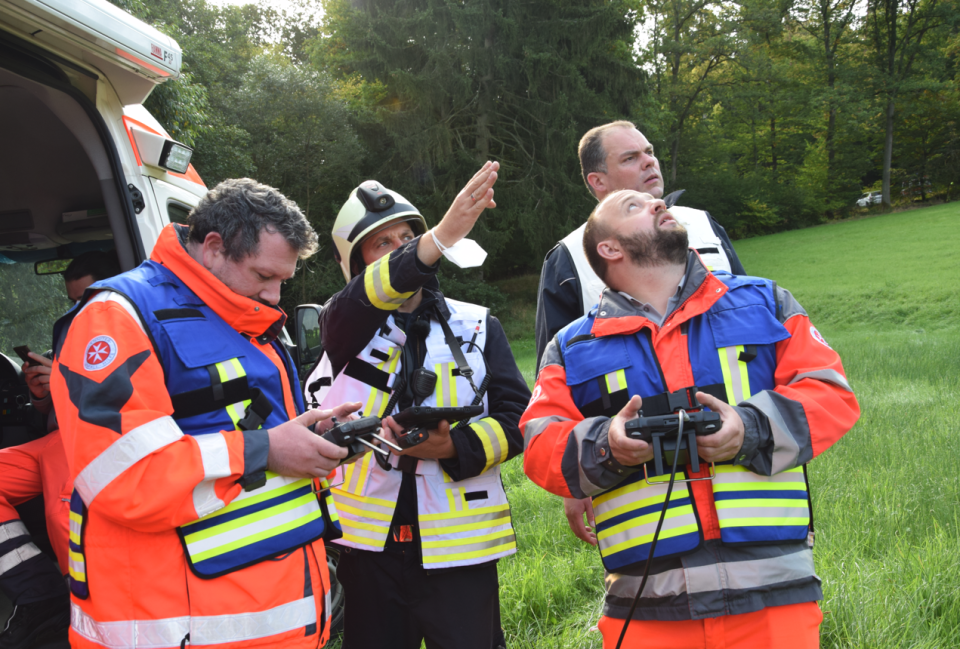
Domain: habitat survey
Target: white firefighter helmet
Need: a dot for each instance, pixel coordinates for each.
(370, 208)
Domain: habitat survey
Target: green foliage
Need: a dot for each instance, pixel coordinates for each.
(456, 83)
(31, 304)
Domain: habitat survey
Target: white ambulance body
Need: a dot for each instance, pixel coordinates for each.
(75, 136)
(83, 166)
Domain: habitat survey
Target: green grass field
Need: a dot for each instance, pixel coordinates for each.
(883, 291)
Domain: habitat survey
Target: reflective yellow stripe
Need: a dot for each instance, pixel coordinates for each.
(257, 499)
(647, 538)
(463, 556)
(736, 379)
(446, 390)
(636, 486)
(637, 521)
(238, 523)
(362, 540)
(616, 381)
(602, 514)
(760, 486)
(228, 370)
(376, 281)
(466, 540)
(361, 500)
(494, 441)
(366, 513)
(762, 503)
(253, 538)
(473, 512)
(765, 522)
(370, 527)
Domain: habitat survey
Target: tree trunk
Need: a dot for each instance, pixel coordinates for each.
(888, 153)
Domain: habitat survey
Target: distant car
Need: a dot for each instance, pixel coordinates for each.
(870, 198)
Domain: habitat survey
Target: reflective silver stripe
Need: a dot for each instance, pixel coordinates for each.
(77, 568)
(203, 630)
(536, 426)
(18, 555)
(463, 545)
(237, 627)
(376, 274)
(730, 575)
(743, 575)
(579, 433)
(124, 453)
(828, 375)
(452, 519)
(664, 584)
(786, 450)
(12, 530)
(111, 296)
(75, 527)
(216, 464)
(130, 634)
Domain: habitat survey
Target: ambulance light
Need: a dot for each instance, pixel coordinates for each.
(175, 156)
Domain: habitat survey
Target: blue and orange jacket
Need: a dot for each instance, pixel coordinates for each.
(750, 343)
(162, 517)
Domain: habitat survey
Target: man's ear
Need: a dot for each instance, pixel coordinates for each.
(610, 250)
(598, 182)
(212, 249)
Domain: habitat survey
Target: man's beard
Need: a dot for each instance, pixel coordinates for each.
(662, 247)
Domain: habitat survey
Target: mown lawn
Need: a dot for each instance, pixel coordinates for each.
(884, 292)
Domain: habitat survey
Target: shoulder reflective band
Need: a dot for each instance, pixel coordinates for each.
(376, 281)
(735, 376)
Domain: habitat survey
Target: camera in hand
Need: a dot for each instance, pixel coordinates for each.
(661, 433)
(418, 420)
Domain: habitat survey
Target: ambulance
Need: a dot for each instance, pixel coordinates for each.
(83, 166)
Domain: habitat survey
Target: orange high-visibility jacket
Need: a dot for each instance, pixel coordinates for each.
(141, 478)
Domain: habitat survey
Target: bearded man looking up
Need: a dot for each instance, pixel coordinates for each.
(733, 563)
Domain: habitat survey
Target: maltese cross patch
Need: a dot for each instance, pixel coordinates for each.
(100, 352)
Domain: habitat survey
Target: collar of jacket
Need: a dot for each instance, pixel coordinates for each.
(247, 316)
(616, 315)
(671, 199)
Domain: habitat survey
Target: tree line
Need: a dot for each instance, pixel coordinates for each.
(771, 114)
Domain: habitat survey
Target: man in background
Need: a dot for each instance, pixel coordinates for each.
(613, 156)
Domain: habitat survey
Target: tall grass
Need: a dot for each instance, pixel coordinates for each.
(884, 293)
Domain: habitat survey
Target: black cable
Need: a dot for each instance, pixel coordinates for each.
(656, 533)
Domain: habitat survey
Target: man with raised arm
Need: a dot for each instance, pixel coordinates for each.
(733, 563)
(422, 533)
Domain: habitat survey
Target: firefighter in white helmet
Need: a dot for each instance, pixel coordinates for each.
(422, 532)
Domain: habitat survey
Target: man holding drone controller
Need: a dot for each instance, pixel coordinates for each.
(422, 531)
(715, 557)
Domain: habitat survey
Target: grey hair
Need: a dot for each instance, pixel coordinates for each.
(593, 157)
(239, 209)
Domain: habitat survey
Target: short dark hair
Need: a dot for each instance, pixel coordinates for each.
(593, 157)
(593, 234)
(240, 208)
(97, 263)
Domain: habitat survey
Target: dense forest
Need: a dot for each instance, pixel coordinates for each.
(771, 114)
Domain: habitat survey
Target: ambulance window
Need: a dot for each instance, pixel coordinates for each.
(31, 304)
(178, 212)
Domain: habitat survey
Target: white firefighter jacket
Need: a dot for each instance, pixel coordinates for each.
(701, 236)
(462, 522)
